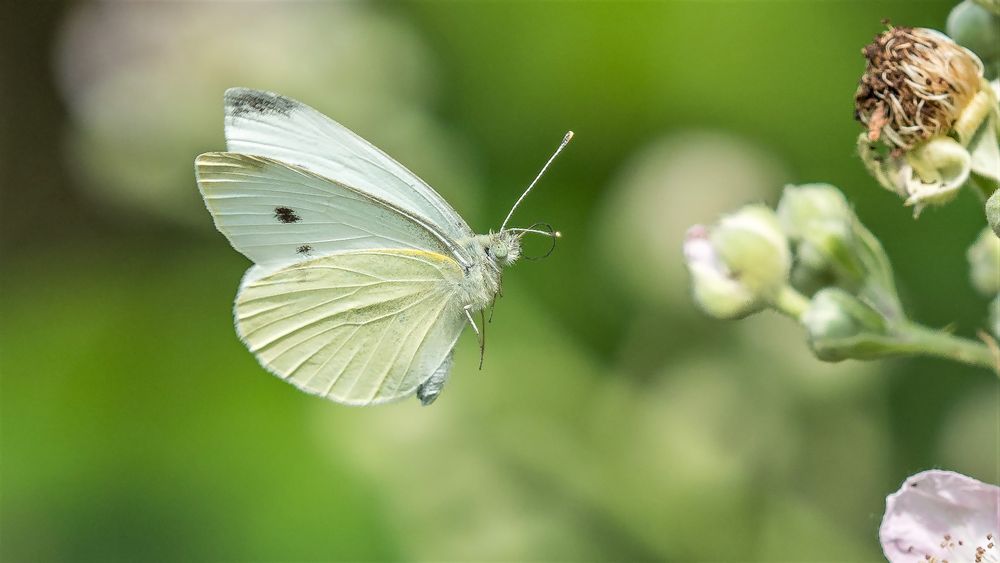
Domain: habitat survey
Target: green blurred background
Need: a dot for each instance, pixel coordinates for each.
(612, 421)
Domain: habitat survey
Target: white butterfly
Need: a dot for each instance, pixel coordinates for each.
(363, 275)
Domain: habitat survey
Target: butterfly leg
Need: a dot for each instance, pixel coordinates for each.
(479, 334)
(482, 341)
(468, 315)
(498, 294)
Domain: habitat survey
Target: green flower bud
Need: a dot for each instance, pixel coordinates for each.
(841, 326)
(993, 212)
(833, 248)
(984, 263)
(803, 207)
(976, 25)
(818, 221)
(716, 289)
(752, 245)
(740, 265)
(993, 6)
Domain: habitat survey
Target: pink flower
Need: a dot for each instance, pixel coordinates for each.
(939, 516)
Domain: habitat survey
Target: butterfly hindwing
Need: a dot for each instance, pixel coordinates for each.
(277, 214)
(358, 327)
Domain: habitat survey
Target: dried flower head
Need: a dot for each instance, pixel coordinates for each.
(916, 84)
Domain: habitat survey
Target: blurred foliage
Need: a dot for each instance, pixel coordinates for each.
(610, 422)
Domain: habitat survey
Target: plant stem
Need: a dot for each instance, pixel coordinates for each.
(790, 302)
(912, 338)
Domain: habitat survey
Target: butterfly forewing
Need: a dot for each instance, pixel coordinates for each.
(277, 214)
(271, 125)
(357, 327)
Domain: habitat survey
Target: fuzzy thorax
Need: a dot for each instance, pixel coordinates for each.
(915, 86)
(492, 252)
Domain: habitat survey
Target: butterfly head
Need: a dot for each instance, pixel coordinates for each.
(503, 248)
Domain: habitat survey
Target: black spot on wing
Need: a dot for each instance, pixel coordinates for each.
(246, 102)
(286, 215)
(303, 249)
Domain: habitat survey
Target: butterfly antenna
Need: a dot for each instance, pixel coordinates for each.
(549, 232)
(562, 145)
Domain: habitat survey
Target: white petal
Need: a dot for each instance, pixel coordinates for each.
(937, 170)
(943, 515)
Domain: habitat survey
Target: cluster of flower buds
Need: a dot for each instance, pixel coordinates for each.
(832, 247)
(932, 126)
(757, 258)
(930, 117)
(814, 261)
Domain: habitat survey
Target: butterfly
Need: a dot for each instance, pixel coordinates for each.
(363, 276)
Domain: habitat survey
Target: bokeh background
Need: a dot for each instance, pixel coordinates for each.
(611, 422)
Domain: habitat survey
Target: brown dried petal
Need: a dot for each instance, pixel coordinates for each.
(916, 83)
